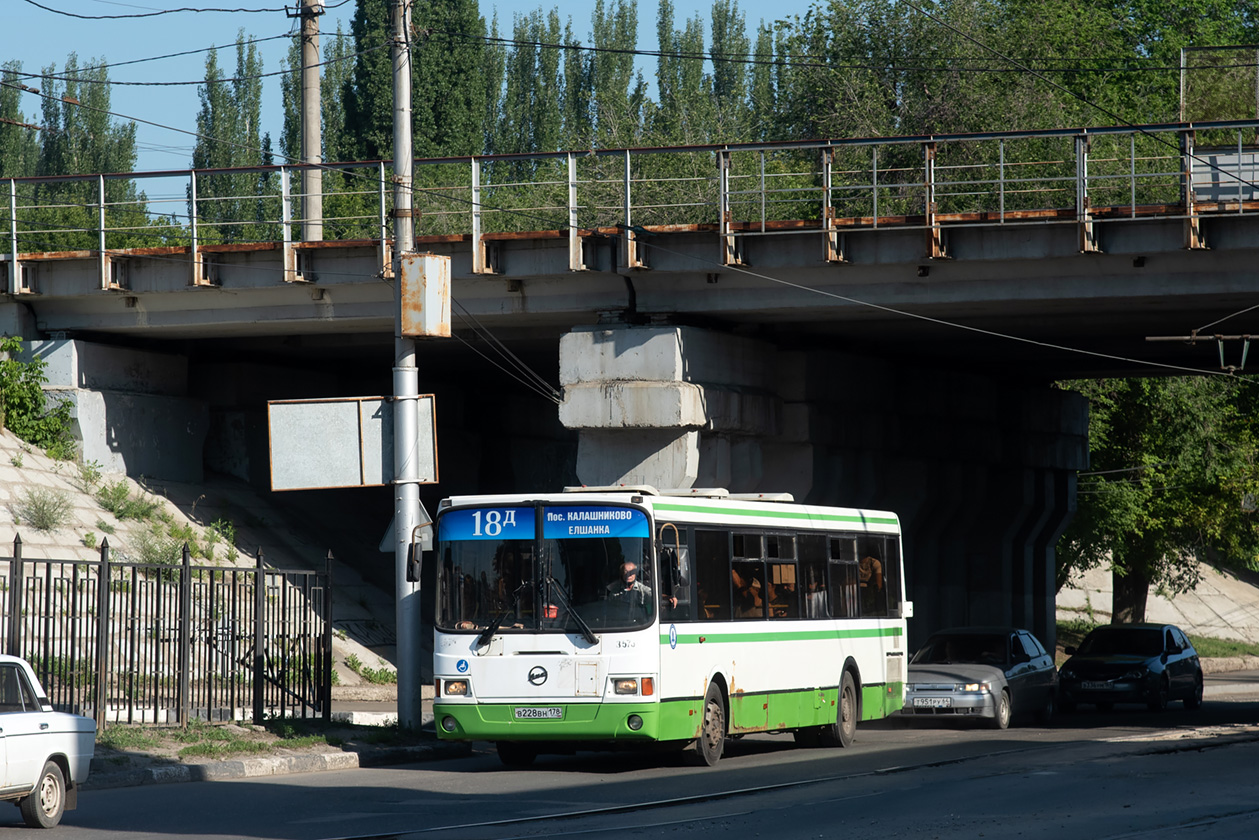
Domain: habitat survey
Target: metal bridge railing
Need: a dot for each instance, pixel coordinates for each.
(1085, 176)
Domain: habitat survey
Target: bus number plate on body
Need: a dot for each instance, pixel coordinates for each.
(934, 702)
(534, 713)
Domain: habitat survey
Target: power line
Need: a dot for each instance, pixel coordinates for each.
(190, 9)
(810, 62)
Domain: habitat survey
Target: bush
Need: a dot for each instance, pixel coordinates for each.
(116, 498)
(43, 509)
(24, 407)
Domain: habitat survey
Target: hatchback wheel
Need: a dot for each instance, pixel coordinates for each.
(1003, 711)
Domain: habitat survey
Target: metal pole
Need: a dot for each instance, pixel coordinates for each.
(259, 659)
(16, 578)
(406, 493)
(312, 147)
(103, 676)
(185, 637)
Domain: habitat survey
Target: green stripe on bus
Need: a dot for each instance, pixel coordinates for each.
(775, 514)
(782, 636)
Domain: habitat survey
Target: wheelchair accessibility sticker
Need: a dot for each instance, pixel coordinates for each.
(673, 636)
(462, 666)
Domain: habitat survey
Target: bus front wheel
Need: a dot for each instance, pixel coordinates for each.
(712, 730)
(844, 729)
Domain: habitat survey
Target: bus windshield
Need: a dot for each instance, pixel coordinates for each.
(557, 568)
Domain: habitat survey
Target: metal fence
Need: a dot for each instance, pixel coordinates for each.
(128, 642)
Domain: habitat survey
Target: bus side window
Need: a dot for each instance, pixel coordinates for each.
(784, 597)
(812, 584)
(712, 575)
(843, 577)
(748, 579)
(892, 575)
(871, 569)
(676, 578)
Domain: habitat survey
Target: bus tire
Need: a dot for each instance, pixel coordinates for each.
(712, 728)
(842, 732)
(516, 753)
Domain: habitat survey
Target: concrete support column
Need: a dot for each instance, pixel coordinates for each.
(668, 406)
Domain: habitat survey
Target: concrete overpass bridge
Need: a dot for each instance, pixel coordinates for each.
(866, 322)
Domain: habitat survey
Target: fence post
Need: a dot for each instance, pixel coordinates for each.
(102, 635)
(185, 619)
(16, 576)
(260, 606)
(326, 677)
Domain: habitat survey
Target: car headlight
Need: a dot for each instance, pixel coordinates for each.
(973, 687)
(1067, 673)
(1136, 674)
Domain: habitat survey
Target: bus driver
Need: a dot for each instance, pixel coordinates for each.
(631, 591)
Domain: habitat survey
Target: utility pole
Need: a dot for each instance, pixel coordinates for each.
(312, 144)
(406, 493)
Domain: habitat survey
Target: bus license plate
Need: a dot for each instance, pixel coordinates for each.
(535, 713)
(934, 702)
(1096, 686)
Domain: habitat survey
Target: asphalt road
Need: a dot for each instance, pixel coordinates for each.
(1129, 773)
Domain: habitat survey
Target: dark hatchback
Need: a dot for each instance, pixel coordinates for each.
(1131, 663)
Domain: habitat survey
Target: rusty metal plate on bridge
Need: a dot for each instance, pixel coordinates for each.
(346, 442)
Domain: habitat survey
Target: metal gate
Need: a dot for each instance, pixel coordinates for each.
(128, 642)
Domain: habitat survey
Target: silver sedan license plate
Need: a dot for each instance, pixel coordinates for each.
(539, 713)
(933, 702)
(1094, 685)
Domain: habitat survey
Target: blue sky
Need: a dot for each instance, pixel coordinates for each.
(48, 37)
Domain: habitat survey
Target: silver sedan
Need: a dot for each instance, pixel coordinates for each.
(989, 673)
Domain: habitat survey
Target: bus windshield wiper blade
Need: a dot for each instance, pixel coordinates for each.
(488, 633)
(586, 632)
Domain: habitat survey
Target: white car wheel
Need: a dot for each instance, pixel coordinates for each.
(47, 802)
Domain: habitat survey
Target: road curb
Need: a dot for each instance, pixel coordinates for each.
(247, 768)
(1224, 664)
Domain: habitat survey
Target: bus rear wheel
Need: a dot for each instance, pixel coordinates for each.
(844, 729)
(515, 753)
(712, 730)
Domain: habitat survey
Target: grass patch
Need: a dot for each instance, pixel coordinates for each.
(116, 497)
(42, 508)
(128, 738)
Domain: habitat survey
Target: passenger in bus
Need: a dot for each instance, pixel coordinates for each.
(870, 572)
(748, 601)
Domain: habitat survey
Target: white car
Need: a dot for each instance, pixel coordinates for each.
(45, 754)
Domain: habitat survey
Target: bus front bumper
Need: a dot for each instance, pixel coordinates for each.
(541, 722)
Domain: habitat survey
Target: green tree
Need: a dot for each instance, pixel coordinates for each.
(234, 206)
(449, 84)
(617, 94)
(19, 148)
(1173, 475)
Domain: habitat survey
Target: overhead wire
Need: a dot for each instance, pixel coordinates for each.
(952, 64)
(157, 13)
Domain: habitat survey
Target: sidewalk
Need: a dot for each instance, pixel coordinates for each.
(153, 770)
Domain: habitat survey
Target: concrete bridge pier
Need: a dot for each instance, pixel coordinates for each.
(981, 472)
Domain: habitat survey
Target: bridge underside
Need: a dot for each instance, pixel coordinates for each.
(888, 379)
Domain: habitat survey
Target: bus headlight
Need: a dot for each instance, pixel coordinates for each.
(625, 686)
(455, 688)
(449, 724)
(634, 722)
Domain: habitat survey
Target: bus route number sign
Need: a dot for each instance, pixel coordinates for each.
(506, 523)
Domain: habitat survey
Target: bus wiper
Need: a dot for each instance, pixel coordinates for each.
(488, 633)
(586, 632)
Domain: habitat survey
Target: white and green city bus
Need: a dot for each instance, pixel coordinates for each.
(613, 616)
